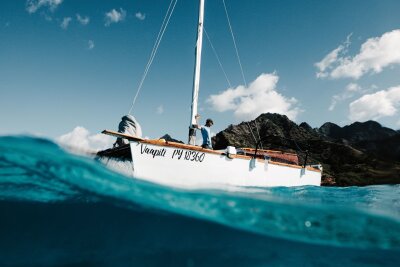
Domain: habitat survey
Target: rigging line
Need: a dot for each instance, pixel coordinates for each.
(158, 41)
(159, 32)
(301, 150)
(294, 141)
(216, 55)
(234, 43)
(251, 130)
(155, 48)
(162, 34)
(258, 132)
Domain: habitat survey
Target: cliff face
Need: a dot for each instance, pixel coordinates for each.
(357, 154)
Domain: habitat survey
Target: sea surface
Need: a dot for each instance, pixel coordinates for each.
(60, 209)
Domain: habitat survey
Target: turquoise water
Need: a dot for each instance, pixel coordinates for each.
(59, 209)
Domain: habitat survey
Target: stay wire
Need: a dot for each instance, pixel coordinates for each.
(216, 55)
(258, 132)
(251, 131)
(160, 35)
(234, 43)
(155, 48)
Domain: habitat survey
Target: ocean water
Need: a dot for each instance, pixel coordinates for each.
(59, 209)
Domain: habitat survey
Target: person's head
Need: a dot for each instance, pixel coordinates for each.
(209, 122)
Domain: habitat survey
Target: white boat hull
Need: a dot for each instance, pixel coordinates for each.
(198, 168)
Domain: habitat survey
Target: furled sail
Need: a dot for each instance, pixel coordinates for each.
(128, 125)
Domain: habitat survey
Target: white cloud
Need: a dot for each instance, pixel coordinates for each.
(81, 139)
(380, 104)
(349, 92)
(33, 5)
(82, 20)
(140, 16)
(114, 16)
(332, 57)
(160, 109)
(259, 97)
(64, 24)
(353, 87)
(327, 61)
(374, 55)
(90, 44)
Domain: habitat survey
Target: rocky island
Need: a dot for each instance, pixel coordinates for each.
(358, 154)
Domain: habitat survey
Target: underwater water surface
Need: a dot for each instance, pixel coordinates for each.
(59, 209)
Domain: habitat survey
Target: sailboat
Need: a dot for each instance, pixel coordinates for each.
(190, 166)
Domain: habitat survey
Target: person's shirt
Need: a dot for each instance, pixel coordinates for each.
(206, 134)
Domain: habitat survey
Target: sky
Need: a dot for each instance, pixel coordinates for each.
(71, 68)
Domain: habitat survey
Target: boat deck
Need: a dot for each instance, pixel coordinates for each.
(276, 157)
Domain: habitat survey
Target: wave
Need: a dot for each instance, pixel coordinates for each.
(122, 212)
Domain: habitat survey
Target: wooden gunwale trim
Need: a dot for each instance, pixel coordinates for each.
(121, 135)
(162, 142)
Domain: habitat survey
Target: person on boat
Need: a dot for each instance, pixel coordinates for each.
(205, 132)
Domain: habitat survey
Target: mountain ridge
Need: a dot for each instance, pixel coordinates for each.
(362, 153)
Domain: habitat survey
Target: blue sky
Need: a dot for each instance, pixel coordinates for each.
(69, 63)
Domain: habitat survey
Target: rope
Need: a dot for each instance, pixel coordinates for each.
(259, 137)
(216, 55)
(301, 150)
(155, 48)
(241, 69)
(234, 43)
(251, 130)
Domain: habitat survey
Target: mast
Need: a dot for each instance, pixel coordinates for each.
(196, 78)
